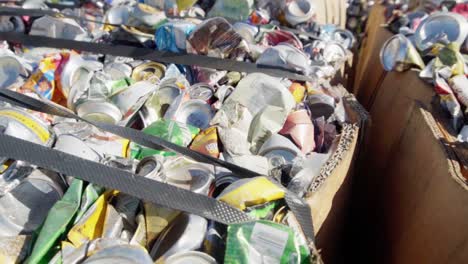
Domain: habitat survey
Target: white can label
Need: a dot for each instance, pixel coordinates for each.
(267, 244)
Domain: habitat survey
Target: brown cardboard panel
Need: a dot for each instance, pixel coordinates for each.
(331, 201)
(331, 12)
(427, 209)
(373, 73)
(330, 205)
(376, 18)
(390, 112)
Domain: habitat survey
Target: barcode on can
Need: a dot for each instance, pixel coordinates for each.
(267, 244)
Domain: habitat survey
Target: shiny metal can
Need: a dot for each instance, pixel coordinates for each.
(149, 71)
(72, 145)
(158, 103)
(278, 145)
(118, 70)
(202, 91)
(123, 254)
(21, 124)
(131, 99)
(10, 69)
(24, 208)
(194, 112)
(195, 257)
(185, 233)
(149, 167)
(99, 111)
(196, 177)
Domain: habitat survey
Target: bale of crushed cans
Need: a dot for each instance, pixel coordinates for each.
(300, 136)
(417, 147)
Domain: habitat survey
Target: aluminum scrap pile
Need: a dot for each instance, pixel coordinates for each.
(432, 37)
(280, 128)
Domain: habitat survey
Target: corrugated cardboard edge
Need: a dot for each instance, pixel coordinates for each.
(456, 152)
(424, 208)
(329, 200)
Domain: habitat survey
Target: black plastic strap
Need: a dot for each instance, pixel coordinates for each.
(143, 188)
(298, 206)
(137, 136)
(152, 55)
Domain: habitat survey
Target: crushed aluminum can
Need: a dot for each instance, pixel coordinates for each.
(299, 127)
(185, 233)
(148, 15)
(450, 27)
(62, 28)
(130, 100)
(201, 91)
(278, 145)
(194, 112)
(285, 56)
(125, 254)
(321, 105)
(334, 52)
(267, 122)
(190, 257)
(246, 30)
(141, 36)
(11, 23)
(99, 111)
(74, 68)
(276, 37)
(157, 104)
(118, 15)
(113, 223)
(10, 69)
(24, 208)
(149, 71)
(257, 90)
(73, 145)
(19, 123)
(344, 37)
(118, 70)
(399, 54)
(149, 167)
(299, 11)
(216, 37)
(157, 219)
(214, 244)
(185, 174)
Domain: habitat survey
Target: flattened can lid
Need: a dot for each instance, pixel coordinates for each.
(201, 91)
(196, 113)
(149, 167)
(99, 111)
(149, 71)
(193, 257)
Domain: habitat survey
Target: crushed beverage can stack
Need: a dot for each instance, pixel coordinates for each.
(282, 129)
